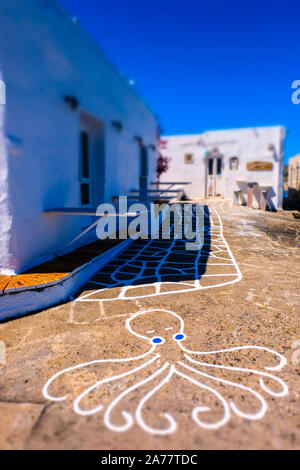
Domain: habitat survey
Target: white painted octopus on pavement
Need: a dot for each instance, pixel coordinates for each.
(172, 358)
(212, 375)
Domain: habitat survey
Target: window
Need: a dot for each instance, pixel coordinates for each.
(84, 154)
(84, 169)
(219, 166)
(144, 161)
(188, 158)
(210, 166)
(85, 193)
(234, 163)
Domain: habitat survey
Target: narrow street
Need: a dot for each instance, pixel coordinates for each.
(166, 348)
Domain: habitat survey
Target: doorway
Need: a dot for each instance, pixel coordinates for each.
(143, 172)
(91, 161)
(214, 176)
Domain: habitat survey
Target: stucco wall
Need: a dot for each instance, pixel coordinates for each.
(44, 56)
(250, 144)
(5, 216)
(294, 172)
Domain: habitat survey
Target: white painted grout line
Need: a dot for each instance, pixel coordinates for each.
(158, 284)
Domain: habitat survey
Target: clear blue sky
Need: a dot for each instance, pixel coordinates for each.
(204, 65)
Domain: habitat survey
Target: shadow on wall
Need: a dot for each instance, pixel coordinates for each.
(292, 201)
(57, 195)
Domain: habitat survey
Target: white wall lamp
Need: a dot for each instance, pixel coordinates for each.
(117, 125)
(72, 101)
(139, 139)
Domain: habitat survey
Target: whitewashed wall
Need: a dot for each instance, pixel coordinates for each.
(249, 144)
(44, 56)
(294, 172)
(5, 215)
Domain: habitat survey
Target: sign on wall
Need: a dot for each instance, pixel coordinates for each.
(259, 166)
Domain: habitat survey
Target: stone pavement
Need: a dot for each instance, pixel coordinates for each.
(166, 349)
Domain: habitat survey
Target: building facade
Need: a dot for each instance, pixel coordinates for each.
(73, 132)
(294, 172)
(230, 164)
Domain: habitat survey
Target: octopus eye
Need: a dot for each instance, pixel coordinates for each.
(158, 340)
(179, 337)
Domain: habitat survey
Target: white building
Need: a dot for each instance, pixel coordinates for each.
(73, 132)
(294, 172)
(243, 165)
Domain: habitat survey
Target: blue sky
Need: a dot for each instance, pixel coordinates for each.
(204, 65)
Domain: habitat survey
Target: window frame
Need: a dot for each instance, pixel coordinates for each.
(234, 163)
(85, 165)
(188, 156)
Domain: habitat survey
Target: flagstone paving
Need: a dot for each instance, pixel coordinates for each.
(166, 349)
